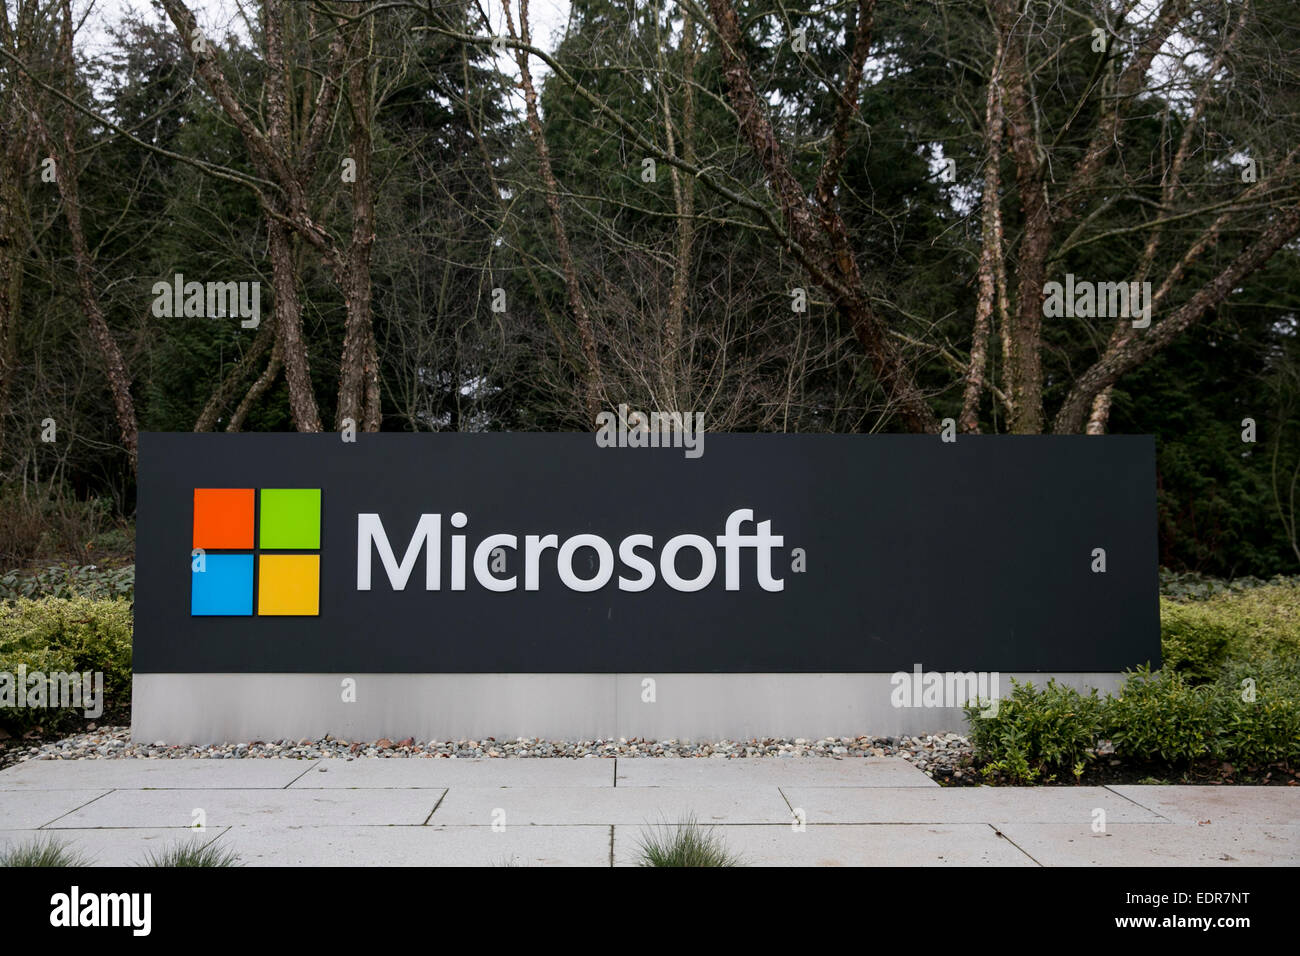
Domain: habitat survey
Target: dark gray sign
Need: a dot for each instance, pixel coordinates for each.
(544, 553)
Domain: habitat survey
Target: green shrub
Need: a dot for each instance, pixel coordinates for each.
(74, 635)
(1156, 716)
(1265, 622)
(1266, 729)
(1162, 715)
(1194, 640)
(1037, 734)
(686, 844)
(1258, 623)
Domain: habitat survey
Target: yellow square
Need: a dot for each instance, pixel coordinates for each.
(288, 584)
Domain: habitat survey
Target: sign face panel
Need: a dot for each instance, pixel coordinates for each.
(544, 553)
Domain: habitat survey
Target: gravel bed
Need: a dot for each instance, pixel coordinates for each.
(945, 757)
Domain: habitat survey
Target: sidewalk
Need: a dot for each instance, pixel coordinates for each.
(592, 812)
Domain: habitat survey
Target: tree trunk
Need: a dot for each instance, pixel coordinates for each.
(288, 327)
(672, 366)
(358, 369)
(13, 241)
(255, 393)
(990, 251)
(1024, 370)
(1100, 412)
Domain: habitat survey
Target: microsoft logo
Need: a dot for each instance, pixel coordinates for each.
(224, 581)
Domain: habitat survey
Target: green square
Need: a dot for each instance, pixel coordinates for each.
(290, 518)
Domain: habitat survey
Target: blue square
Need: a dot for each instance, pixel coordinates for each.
(224, 588)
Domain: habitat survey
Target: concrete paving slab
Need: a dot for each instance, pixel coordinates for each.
(436, 772)
(774, 771)
(28, 810)
(1235, 804)
(113, 847)
(960, 844)
(175, 808)
(419, 846)
(552, 806)
(963, 805)
(156, 774)
(1157, 844)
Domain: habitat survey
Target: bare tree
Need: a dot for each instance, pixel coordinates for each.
(1057, 186)
(17, 157)
(66, 164)
(815, 231)
(286, 209)
(288, 158)
(593, 390)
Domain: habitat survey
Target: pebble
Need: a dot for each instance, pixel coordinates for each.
(941, 756)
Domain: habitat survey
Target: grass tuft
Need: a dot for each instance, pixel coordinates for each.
(43, 851)
(688, 843)
(193, 854)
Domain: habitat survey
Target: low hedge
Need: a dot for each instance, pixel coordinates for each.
(1044, 735)
(1198, 639)
(68, 635)
(1229, 691)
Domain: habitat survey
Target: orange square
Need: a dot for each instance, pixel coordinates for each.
(223, 517)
